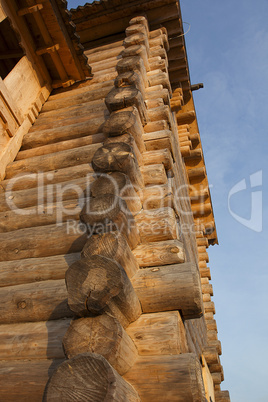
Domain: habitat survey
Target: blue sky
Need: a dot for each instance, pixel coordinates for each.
(227, 48)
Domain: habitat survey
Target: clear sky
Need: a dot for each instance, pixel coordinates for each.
(227, 48)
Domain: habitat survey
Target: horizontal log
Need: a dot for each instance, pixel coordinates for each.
(64, 133)
(90, 376)
(159, 334)
(157, 225)
(35, 269)
(157, 140)
(105, 64)
(98, 284)
(61, 146)
(211, 325)
(79, 88)
(43, 196)
(158, 156)
(154, 174)
(42, 215)
(35, 180)
(211, 355)
(222, 396)
(75, 110)
(58, 160)
(43, 241)
(160, 78)
(172, 378)
(35, 340)
(209, 307)
(207, 289)
(170, 287)
(156, 196)
(159, 253)
(194, 173)
(185, 117)
(154, 102)
(41, 301)
(102, 55)
(45, 125)
(156, 126)
(112, 245)
(30, 377)
(103, 335)
(216, 377)
(216, 344)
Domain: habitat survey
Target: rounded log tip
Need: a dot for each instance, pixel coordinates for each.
(92, 283)
(111, 156)
(88, 377)
(103, 335)
(118, 123)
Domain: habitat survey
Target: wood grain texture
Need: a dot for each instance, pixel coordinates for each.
(103, 335)
(159, 334)
(112, 245)
(170, 287)
(168, 378)
(88, 377)
(98, 284)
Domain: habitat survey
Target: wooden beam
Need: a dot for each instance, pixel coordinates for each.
(30, 10)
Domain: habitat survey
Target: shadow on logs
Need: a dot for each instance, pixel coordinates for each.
(88, 377)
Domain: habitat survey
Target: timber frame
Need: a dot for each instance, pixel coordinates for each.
(105, 208)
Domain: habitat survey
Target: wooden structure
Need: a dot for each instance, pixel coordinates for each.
(105, 208)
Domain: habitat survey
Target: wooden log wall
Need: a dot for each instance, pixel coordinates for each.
(132, 285)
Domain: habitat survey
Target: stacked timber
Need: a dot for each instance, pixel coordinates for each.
(114, 282)
(97, 270)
